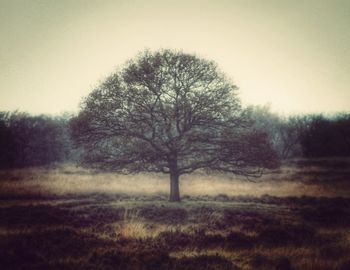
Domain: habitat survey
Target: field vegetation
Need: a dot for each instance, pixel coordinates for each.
(66, 217)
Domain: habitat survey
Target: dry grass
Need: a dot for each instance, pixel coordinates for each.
(72, 218)
(303, 258)
(68, 179)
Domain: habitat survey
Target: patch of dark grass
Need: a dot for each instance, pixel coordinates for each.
(333, 250)
(261, 262)
(30, 195)
(282, 263)
(237, 240)
(20, 258)
(30, 215)
(51, 244)
(258, 261)
(345, 265)
(210, 217)
(98, 215)
(204, 241)
(148, 260)
(250, 220)
(273, 236)
(204, 263)
(120, 260)
(164, 215)
(327, 215)
(48, 249)
(174, 240)
(46, 215)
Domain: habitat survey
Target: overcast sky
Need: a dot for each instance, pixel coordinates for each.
(294, 55)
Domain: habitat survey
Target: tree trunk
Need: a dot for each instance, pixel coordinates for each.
(174, 186)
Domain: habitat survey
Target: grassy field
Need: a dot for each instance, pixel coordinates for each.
(66, 217)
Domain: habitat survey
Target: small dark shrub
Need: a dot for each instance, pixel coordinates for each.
(236, 240)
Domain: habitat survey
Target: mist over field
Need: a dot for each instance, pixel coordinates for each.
(68, 179)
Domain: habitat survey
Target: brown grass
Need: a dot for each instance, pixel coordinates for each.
(68, 179)
(72, 218)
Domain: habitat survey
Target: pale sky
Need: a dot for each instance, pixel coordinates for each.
(294, 55)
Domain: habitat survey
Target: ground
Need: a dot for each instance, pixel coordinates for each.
(66, 217)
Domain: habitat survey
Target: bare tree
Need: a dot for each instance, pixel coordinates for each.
(269, 123)
(290, 130)
(284, 132)
(169, 112)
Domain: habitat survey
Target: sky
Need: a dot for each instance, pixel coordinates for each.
(293, 55)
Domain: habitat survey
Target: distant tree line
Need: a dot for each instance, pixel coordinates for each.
(326, 136)
(309, 136)
(27, 140)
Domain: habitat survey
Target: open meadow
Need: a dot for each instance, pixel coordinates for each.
(174, 135)
(67, 217)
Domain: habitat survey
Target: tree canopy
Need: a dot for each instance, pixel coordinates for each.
(171, 112)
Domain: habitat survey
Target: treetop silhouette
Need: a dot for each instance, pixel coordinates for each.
(170, 112)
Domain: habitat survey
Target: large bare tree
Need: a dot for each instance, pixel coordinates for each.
(169, 112)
